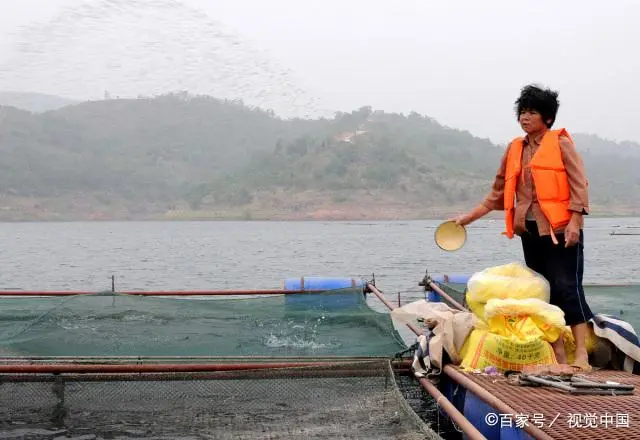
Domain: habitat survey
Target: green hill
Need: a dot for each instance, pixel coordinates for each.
(180, 156)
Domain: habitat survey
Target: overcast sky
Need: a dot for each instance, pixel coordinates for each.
(461, 62)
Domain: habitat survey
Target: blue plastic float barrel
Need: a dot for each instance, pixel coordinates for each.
(481, 415)
(322, 283)
(324, 292)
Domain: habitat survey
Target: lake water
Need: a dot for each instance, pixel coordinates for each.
(207, 255)
(254, 255)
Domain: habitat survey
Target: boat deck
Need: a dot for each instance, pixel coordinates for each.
(552, 413)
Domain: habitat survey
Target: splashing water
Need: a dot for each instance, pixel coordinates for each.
(303, 335)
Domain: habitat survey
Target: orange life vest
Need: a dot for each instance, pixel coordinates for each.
(549, 177)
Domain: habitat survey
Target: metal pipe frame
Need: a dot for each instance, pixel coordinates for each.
(19, 368)
(24, 293)
(458, 418)
(492, 400)
(446, 296)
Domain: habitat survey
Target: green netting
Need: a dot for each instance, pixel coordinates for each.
(336, 323)
(358, 400)
(618, 301)
(359, 396)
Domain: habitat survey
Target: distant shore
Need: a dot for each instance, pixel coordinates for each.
(373, 213)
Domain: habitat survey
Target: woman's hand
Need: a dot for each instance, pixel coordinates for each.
(470, 217)
(462, 219)
(572, 232)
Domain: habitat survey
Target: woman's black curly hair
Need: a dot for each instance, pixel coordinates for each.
(544, 101)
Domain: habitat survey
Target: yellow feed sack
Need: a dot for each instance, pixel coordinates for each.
(484, 349)
(476, 308)
(524, 318)
(514, 333)
(512, 280)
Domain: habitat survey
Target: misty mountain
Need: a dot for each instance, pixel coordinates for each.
(598, 146)
(33, 102)
(196, 156)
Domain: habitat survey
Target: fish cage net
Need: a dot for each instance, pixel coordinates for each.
(334, 400)
(335, 322)
(121, 366)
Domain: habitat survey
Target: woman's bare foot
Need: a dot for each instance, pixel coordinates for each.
(558, 349)
(581, 358)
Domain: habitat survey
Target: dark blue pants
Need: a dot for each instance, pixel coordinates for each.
(562, 267)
